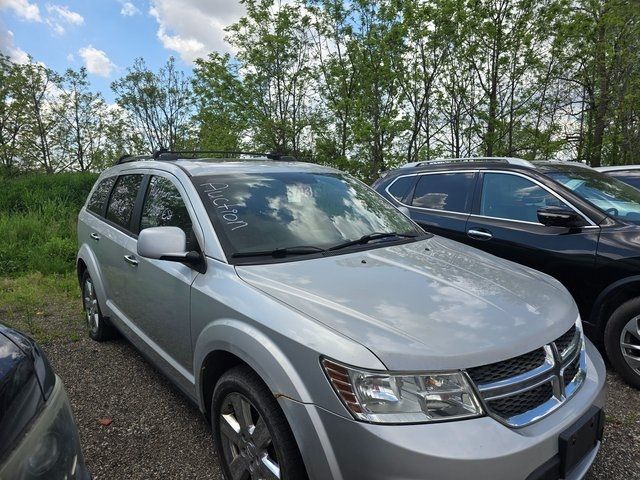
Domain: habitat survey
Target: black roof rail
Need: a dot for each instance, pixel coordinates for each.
(125, 158)
(165, 154)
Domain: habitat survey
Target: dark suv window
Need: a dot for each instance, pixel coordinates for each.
(514, 198)
(400, 187)
(123, 198)
(164, 207)
(632, 177)
(444, 191)
(100, 194)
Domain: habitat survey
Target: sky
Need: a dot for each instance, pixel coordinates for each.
(106, 36)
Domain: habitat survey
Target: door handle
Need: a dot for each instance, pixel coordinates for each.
(95, 236)
(479, 234)
(131, 260)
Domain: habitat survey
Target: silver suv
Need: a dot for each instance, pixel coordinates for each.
(325, 335)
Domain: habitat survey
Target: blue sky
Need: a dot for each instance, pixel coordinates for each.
(107, 35)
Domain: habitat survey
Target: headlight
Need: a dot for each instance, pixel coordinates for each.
(387, 397)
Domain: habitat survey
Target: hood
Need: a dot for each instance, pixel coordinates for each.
(434, 304)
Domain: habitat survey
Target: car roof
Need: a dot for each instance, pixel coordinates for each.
(618, 168)
(507, 163)
(224, 166)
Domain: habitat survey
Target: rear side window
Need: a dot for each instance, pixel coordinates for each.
(514, 198)
(164, 207)
(450, 192)
(100, 195)
(123, 199)
(400, 187)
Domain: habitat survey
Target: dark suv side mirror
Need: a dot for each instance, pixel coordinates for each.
(559, 217)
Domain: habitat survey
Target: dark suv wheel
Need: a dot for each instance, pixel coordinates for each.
(98, 326)
(622, 341)
(251, 434)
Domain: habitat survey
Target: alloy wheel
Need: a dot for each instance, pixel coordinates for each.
(91, 306)
(246, 442)
(630, 343)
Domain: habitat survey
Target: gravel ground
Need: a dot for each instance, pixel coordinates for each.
(157, 433)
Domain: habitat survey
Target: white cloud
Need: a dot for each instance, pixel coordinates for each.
(8, 48)
(193, 28)
(129, 9)
(60, 16)
(96, 61)
(23, 8)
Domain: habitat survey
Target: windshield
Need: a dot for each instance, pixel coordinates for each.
(276, 211)
(614, 197)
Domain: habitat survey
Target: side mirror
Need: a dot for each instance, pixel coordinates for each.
(168, 243)
(559, 217)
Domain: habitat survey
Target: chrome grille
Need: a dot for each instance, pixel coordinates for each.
(571, 370)
(565, 343)
(521, 402)
(508, 368)
(523, 389)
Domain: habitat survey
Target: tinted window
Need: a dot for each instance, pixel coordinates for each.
(400, 187)
(611, 195)
(262, 212)
(164, 207)
(514, 198)
(123, 198)
(444, 191)
(630, 177)
(100, 194)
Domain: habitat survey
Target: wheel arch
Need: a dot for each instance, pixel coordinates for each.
(226, 343)
(86, 261)
(611, 298)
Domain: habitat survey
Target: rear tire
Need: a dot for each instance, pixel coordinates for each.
(251, 434)
(622, 341)
(98, 326)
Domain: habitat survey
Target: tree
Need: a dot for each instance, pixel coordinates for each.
(337, 77)
(426, 31)
(274, 70)
(40, 85)
(160, 104)
(377, 123)
(605, 40)
(82, 118)
(222, 119)
(12, 114)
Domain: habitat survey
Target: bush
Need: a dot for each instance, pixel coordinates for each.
(38, 214)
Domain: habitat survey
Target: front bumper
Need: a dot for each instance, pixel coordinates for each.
(337, 447)
(50, 449)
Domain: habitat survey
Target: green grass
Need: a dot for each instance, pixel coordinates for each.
(39, 292)
(38, 214)
(45, 307)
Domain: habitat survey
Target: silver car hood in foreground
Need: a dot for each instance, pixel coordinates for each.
(427, 305)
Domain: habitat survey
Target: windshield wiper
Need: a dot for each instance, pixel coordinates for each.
(281, 252)
(370, 237)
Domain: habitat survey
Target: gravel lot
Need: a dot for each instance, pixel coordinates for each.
(157, 433)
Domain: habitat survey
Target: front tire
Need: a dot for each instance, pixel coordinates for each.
(622, 341)
(98, 326)
(251, 434)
